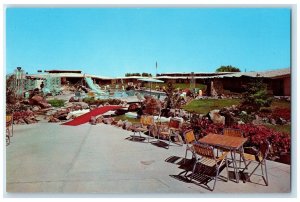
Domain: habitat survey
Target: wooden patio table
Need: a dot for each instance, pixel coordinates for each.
(230, 143)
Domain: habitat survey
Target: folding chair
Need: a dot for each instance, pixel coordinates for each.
(146, 122)
(260, 159)
(173, 129)
(205, 156)
(9, 128)
(189, 138)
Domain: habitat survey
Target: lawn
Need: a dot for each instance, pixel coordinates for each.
(56, 102)
(280, 128)
(206, 105)
(283, 104)
(123, 118)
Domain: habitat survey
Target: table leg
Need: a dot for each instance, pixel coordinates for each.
(235, 168)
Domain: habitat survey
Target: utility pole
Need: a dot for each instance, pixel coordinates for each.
(156, 69)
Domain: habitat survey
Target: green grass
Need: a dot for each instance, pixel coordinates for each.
(123, 118)
(206, 105)
(56, 103)
(280, 128)
(280, 104)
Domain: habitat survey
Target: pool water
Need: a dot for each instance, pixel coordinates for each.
(124, 94)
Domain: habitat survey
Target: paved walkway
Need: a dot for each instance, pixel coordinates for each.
(52, 158)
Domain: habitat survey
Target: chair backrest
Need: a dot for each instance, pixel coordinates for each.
(174, 123)
(189, 137)
(264, 149)
(232, 132)
(204, 150)
(9, 119)
(147, 120)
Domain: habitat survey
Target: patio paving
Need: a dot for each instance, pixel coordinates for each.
(52, 158)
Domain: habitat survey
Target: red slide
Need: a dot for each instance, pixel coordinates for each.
(86, 117)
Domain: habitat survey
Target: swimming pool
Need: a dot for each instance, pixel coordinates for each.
(124, 94)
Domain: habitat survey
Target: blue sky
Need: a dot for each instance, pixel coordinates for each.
(113, 41)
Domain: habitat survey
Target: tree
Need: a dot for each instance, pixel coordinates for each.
(146, 74)
(132, 74)
(255, 96)
(228, 68)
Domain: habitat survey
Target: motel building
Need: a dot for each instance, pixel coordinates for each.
(217, 83)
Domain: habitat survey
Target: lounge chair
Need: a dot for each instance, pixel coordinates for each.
(146, 124)
(173, 130)
(189, 139)
(210, 165)
(258, 157)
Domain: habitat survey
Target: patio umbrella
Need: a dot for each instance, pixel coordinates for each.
(151, 80)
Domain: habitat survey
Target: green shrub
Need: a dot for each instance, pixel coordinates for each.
(56, 102)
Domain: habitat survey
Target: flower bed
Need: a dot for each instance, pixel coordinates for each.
(281, 142)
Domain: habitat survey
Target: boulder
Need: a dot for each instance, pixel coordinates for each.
(258, 120)
(240, 122)
(36, 108)
(99, 119)
(53, 119)
(83, 105)
(120, 123)
(272, 121)
(36, 99)
(128, 125)
(216, 118)
(93, 120)
(74, 99)
(39, 100)
(281, 121)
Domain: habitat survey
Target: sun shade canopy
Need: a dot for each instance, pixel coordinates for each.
(151, 80)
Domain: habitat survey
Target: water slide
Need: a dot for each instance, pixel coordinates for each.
(92, 86)
(86, 117)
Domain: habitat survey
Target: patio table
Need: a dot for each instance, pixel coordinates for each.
(230, 143)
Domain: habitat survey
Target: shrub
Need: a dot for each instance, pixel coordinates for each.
(255, 96)
(22, 114)
(56, 103)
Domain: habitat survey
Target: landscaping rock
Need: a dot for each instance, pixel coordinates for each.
(128, 125)
(74, 99)
(36, 108)
(39, 100)
(272, 121)
(99, 119)
(281, 121)
(83, 105)
(216, 118)
(258, 120)
(93, 120)
(120, 123)
(240, 122)
(53, 119)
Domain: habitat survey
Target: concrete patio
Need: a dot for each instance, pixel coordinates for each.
(53, 159)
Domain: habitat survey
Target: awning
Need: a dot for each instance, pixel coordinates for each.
(151, 80)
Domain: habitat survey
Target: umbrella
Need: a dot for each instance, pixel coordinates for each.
(151, 80)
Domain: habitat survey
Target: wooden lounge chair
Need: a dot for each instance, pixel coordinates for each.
(205, 156)
(173, 130)
(258, 157)
(9, 128)
(189, 139)
(146, 124)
